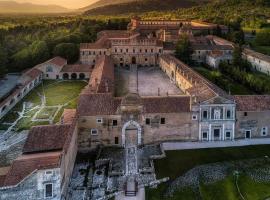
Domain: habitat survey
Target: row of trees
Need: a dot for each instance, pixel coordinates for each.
(241, 72)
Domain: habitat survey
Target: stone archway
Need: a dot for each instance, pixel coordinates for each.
(133, 60)
(139, 132)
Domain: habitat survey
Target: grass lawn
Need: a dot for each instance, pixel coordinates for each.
(177, 163)
(46, 113)
(56, 92)
(223, 81)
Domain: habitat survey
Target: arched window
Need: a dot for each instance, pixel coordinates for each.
(49, 69)
(65, 76)
(216, 114)
(82, 76)
(73, 76)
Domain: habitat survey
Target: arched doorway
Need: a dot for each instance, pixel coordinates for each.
(73, 76)
(133, 60)
(131, 134)
(65, 76)
(81, 76)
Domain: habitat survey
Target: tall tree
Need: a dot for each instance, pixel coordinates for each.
(183, 49)
(68, 51)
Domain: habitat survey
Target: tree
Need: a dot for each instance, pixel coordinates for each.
(3, 62)
(39, 52)
(183, 49)
(68, 51)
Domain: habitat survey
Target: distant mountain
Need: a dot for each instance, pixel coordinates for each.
(102, 3)
(103, 7)
(14, 7)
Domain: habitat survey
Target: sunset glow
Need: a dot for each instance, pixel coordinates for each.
(72, 4)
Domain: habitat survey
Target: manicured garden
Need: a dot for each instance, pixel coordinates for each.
(178, 163)
(58, 95)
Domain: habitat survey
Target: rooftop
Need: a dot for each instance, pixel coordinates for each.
(46, 138)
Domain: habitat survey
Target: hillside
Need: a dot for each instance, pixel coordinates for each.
(102, 3)
(14, 7)
(139, 6)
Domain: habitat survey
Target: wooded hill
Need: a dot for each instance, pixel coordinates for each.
(139, 6)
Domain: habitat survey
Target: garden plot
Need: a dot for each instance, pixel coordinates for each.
(46, 114)
(43, 105)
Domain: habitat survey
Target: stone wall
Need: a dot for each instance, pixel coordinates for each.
(33, 187)
(254, 122)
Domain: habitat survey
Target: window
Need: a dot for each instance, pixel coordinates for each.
(49, 172)
(205, 135)
(194, 117)
(228, 114)
(49, 69)
(147, 121)
(205, 114)
(264, 131)
(47, 75)
(114, 122)
(48, 190)
(99, 120)
(228, 135)
(245, 114)
(94, 131)
(216, 114)
(162, 120)
(146, 59)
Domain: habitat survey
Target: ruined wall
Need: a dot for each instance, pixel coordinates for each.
(33, 187)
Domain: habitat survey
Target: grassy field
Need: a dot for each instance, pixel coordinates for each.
(177, 163)
(223, 81)
(56, 92)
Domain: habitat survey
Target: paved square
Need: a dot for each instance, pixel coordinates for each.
(152, 81)
(147, 81)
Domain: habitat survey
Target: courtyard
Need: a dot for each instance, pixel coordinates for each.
(42, 106)
(218, 173)
(147, 81)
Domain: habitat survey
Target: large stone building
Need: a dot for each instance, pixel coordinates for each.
(203, 112)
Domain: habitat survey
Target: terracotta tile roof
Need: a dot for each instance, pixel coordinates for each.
(102, 76)
(257, 55)
(68, 116)
(97, 104)
(77, 68)
(59, 61)
(252, 102)
(25, 79)
(46, 138)
(27, 164)
(171, 104)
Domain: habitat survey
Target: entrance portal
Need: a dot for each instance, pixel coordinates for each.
(134, 60)
(131, 134)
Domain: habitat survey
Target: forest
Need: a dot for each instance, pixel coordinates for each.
(26, 41)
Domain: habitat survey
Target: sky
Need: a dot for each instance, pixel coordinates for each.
(66, 3)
